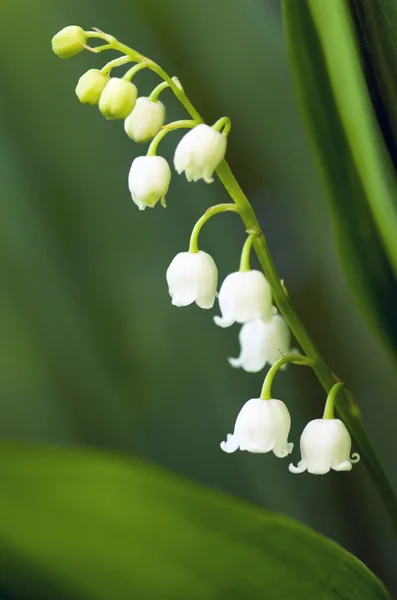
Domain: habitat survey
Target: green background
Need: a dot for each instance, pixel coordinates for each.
(92, 351)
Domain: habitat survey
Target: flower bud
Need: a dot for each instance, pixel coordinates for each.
(199, 153)
(325, 444)
(261, 426)
(90, 86)
(145, 121)
(149, 180)
(244, 296)
(118, 98)
(192, 277)
(69, 41)
(261, 343)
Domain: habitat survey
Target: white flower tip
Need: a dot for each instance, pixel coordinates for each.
(300, 468)
(205, 304)
(236, 363)
(178, 301)
(285, 452)
(346, 465)
(222, 321)
(231, 445)
(355, 457)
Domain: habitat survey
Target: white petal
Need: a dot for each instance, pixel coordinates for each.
(145, 120)
(300, 467)
(192, 277)
(222, 321)
(346, 465)
(245, 296)
(199, 153)
(262, 426)
(148, 180)
(282, 450)
(325, 444)
(231, 444)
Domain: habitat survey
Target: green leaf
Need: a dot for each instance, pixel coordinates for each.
(376, 25)
(351, 153)
(84, 524)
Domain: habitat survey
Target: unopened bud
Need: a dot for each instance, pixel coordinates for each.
(90, 86)
(118, 98)
(69, 41)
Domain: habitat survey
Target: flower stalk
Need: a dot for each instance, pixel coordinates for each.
(214, 210)
(298, 359)
(345, 402)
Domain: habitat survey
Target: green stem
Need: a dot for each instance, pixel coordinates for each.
(157, 91)
(299, 359)
(345, 403)
(214, 210)
(245, 264)
(186, 123)
(330, 403)
(117, 62)
(131, 72)
(225, 124)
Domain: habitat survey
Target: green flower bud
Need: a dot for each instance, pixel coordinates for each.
(69, 41)
(90, 86)
(118, 98)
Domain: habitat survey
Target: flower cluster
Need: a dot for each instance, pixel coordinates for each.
(245, 296)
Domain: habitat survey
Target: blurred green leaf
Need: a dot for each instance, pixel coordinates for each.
(83, 524)
(376, 24)
(352, 156)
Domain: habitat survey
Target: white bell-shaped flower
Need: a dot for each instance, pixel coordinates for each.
(262, 342)
(199, 153)
(244, 296)
(325, 444)
(149, 180)
(192, 277)
(145, 120)
(261, 426)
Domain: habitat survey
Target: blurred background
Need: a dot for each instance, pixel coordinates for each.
(92, 351)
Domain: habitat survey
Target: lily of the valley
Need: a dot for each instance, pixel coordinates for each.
(149, 180)
(145, 120)
(261, 426)
(90, 86)
(118, 98)
(244, 296)
(192, 277)
(262, 342)
(69, 41)
(325, 444)
(199, 153)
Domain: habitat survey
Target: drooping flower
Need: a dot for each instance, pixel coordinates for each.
(90, 86)
(244, 296)
(192, 277)
(261, 426)
(325, 444)
(69, 41)
(262, 342)
(145, 120)
(118, 98)
(199, 153)
(149, 180)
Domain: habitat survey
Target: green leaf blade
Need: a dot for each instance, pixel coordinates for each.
(362, 193)
(103, 527)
